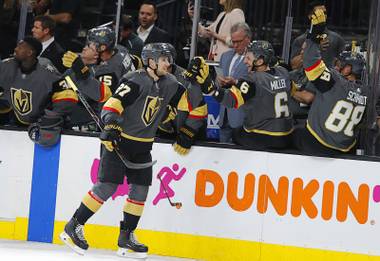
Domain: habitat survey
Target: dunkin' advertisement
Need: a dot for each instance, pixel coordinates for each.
(274, 198)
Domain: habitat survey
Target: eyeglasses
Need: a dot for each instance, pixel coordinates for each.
(238, 41)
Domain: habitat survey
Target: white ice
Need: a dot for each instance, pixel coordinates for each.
(23, 250)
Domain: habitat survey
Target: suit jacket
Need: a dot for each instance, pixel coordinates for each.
(54, 52)
(158, 35)
(235, 116)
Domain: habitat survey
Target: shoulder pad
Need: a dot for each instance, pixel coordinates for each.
(47, 65)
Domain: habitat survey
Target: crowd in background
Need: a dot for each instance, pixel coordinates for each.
(55, 24)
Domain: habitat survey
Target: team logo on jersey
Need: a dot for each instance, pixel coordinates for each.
(21, 100)
(151, 108)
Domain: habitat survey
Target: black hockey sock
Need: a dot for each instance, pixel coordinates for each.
(132, 213)
(82, 214)
(130, 221)
(90, 204)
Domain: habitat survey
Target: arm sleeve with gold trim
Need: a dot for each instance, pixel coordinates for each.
(63, 98)
(192, 108)
(93, 88)
(315, 69)
(237, 95)
(125, 95)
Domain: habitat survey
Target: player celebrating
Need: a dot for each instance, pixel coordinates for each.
(339, 104)
(263, 96)
(131, 117)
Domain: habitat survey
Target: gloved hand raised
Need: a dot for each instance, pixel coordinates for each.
(198, 72)
(318, 26)
(73, 61)
(110, 136)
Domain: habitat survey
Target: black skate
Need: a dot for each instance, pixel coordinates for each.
(73, 236)
(128, 244)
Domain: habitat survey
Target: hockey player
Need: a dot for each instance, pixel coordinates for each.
(263, 96)
(131, 117)
(34, 93)
(339, 103)
(191, 109)
(108, 68)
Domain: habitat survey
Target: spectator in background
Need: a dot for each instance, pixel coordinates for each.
(183, 38)
(40, 7)
(219, 30)
(233, 68)
(8, 27)
(128, 38)
(65, 13)
(147, 31)
(331, 46)
(43, 31)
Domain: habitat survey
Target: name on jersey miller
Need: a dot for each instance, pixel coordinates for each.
(278, 84)
(357, 98)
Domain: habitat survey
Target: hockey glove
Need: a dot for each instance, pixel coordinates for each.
(197, 71)
(136, 61)
(318, 26)
(73, 61)
(184, 140)
(68, 59)
(110, 136)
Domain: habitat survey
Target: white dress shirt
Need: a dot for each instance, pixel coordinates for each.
(144, 34)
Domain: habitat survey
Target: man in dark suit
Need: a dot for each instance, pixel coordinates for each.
(233, 68)
(43, 31)
(147, 31)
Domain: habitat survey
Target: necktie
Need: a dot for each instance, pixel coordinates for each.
(235, 65)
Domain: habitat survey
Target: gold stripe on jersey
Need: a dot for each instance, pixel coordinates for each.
(125, 135)
(113, 104)
(270, 133)
(325, 143)
(65, 95)
(183, 104)
(199, 112)
(237, 94)
(91, 202)
(133, 207)
(106, 93)
(314, 71)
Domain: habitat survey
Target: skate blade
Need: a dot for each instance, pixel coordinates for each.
(123, 252)
(68, 242)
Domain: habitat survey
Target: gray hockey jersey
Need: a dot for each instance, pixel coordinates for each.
(139, 104)
(30, 93)
(339, 105)
(264, 98)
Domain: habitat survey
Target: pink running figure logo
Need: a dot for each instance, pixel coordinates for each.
(122, 189)
(170, 174)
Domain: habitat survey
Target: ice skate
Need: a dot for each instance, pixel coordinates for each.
(73, 237)
(129, 246)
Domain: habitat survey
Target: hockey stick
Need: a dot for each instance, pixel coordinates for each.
(98, 121)
(178, 205)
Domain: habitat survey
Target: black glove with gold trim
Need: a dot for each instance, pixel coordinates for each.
(73, 61)
(184, 141)
(110, 136)
(318, 26)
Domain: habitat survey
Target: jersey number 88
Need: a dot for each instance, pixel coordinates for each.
(344, 117)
